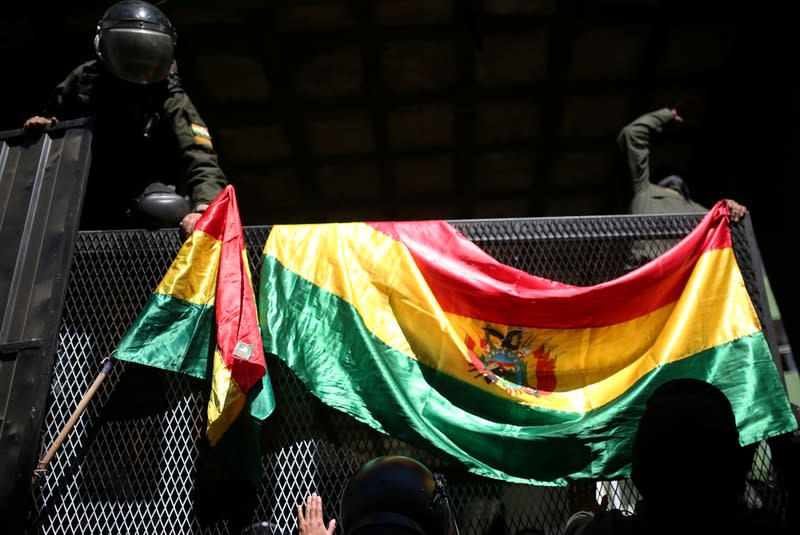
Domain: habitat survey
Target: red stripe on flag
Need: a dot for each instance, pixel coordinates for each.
(469, 282)
(212, 222)
(237, 321)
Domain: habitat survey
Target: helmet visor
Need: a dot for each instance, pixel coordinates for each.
(137, 55)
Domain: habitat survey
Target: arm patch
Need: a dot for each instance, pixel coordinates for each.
(201, 135)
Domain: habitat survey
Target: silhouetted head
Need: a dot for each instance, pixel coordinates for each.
(686, 450)
(395, 495)
(677, 183)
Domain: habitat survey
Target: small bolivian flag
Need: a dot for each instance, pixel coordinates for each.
(204, 308)
(201, 135)
(414, 330)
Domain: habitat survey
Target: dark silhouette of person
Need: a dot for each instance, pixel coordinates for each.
(689, 468)
(389, 495)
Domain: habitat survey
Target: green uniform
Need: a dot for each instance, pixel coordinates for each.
(141, 134)
(649, 198)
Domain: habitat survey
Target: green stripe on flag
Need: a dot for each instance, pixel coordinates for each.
(323, 340)
(170, 334)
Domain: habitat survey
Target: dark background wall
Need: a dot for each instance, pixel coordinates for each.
(351, 110)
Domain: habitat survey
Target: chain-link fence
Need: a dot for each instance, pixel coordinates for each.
(135, 461)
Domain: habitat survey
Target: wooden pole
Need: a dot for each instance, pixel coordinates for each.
(41, 468)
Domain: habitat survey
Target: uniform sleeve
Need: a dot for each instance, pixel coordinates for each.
(634, 144)
(202, 174)
(62, 102)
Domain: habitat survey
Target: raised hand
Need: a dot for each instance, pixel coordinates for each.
(310, 522)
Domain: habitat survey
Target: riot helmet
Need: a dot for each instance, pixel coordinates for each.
(159, 206)
(136, 42)
(398, 495)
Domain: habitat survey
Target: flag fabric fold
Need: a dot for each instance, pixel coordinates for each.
(201, 320)
(416, 331)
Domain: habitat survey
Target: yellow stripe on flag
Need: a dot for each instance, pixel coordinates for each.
(365, 282)
(225, 402)
(593, 366)
(193, 274)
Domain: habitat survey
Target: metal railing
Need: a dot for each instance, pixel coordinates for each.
(136, 461)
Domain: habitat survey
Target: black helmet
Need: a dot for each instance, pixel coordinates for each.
(136, 42)
(395, 494)
(159, 206)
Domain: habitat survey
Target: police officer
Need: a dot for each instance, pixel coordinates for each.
(153, 163)
(671, 193)
(397, 495)
(389, 495)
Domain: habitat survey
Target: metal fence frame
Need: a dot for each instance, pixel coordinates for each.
(136, 461)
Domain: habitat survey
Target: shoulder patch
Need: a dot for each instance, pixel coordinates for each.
(201, 135)
(200, 130)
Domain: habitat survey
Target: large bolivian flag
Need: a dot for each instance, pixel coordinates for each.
(414, 330)
(202, 321)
